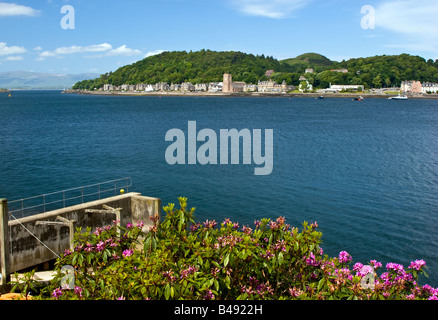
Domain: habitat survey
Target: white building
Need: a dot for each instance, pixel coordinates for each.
(187, 86)
(215, 86)
(340, 87)
(411, 86)
(250, 87)
(271, 86)
(108, 87)
(429, 87)
(201, 87)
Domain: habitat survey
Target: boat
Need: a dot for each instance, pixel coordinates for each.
(360, 98)
(320, 97)
(399, 97)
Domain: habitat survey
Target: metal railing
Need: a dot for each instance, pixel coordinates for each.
(68, 197)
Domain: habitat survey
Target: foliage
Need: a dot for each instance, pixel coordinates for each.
(196, 67)
(26, 285)
(183, 259)
(209, 66)
(386, 71)
(309, 60)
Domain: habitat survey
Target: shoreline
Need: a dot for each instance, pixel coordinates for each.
(247, 94)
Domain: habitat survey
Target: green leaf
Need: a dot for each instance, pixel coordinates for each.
(280, 258)
(227, 282)
(320, 284)
(226, 260)
(167, 292)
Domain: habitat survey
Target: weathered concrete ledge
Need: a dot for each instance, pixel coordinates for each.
(56, 228)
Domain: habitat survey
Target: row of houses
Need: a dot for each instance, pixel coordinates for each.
(413, 86)
(163, 86)
(227, 85)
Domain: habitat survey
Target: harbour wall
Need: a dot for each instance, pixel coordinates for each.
(33, 240)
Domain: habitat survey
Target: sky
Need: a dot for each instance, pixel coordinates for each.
(98, 36)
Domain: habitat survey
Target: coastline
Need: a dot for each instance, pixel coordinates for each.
(246, 94)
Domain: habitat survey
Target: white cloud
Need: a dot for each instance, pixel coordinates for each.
(103, 49)
(14, 58)
(38, 48)
(5, 50)
(153, 53)
(123, 51)
(416, 22)
(271, 9)
(12, 9)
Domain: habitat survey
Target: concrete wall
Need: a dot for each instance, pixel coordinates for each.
(26, 251)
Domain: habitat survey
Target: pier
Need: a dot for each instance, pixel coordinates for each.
(40, 238)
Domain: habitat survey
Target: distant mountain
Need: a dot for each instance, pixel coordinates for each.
(36, 80)
(309, 60)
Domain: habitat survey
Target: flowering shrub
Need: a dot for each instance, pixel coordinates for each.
(182, 259)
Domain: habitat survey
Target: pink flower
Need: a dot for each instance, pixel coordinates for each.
(357, 266)
(417, 264)
(311, 261)
(127, 253)
(395, 267)
(140, 224)
(375, 264)
(100, 246)
(210, 224)
(78, 291)
(209, 295)
(57, 293)
(344, 257)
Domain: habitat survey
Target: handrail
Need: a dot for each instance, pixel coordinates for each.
(44, 201)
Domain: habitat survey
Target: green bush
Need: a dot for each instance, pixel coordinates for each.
(181, 259)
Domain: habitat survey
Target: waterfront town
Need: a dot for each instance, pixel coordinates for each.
(229, 86)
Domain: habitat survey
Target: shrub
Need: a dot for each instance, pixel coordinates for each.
(183, 259)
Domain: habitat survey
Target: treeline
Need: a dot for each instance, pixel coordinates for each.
(378, 71)
(209, 66)
(196, 67)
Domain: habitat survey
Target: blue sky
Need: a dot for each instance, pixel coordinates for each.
(108, 34)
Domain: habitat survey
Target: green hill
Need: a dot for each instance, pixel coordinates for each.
(209, 66)
(385, 70)
(309, 60)
(196, 67)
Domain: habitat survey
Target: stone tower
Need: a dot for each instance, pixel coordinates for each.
(228, 83)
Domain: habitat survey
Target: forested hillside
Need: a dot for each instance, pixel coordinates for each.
(209, 66)
(196, 67)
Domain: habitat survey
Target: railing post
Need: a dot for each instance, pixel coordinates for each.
(4, 246)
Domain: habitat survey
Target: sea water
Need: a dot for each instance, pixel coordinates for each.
(366, 171)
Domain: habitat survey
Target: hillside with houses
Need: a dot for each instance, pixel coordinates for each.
(203, 71)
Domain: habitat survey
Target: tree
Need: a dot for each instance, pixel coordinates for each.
(377, 82)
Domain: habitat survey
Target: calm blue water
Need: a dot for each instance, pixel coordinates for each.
(367, 171)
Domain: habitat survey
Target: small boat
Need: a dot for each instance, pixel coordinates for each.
(320, 97)
(399, 97)
(360, 98)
